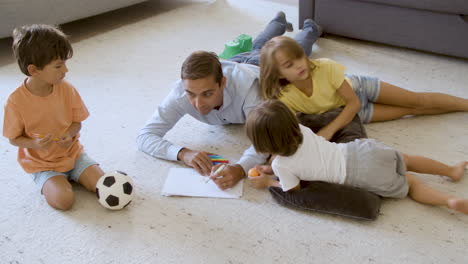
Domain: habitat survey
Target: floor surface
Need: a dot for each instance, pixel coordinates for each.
(124, 64)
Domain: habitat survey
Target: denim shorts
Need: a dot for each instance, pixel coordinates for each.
(373, 166)
(367, 89)
(81, 164)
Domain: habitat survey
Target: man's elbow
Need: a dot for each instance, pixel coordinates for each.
(140, 141)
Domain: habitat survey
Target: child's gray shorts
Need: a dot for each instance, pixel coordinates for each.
(373, 166)
(367, 89)
(82, 163)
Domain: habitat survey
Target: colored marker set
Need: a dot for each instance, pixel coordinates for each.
(216, 159)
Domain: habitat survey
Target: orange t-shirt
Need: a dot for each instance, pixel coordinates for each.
(29, 115)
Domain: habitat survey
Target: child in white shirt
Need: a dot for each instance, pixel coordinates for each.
(299, 154)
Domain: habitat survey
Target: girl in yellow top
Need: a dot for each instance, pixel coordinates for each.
(317, 86)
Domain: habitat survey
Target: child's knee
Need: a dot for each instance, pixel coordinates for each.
(90, 177)
(58, 193)
(408, 159)
(61, 200)
(413, 181)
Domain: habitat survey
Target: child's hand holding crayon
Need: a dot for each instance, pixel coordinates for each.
(65, 141)
(41, 141)
(40, 136)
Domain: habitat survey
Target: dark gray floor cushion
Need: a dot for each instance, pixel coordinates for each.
(328, 197)
(352, 131)
(332, 199)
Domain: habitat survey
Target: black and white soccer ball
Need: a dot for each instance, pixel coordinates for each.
(115, 190)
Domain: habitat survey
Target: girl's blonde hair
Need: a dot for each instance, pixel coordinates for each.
(270, 82)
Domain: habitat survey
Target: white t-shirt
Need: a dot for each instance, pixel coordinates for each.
(316, 159)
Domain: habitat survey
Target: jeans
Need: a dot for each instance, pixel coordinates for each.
(306, 38)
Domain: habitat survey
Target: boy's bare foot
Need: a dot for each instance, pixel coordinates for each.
(460, 205)
(459, 170)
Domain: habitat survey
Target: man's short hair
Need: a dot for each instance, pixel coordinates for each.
(201, 64)
(39, 45)
(273, 129)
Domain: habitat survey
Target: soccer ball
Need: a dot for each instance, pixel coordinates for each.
(114, 190)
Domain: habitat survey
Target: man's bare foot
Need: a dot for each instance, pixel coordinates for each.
(460, 205)
(459, 170)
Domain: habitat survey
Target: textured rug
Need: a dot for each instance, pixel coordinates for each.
(124, 64)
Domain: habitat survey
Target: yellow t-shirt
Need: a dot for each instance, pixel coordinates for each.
(327, 77)
(29, 115)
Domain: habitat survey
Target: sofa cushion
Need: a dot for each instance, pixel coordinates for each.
(394, 25)
(14, 13)
(459, 7)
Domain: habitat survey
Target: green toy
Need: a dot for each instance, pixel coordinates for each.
(242, 43)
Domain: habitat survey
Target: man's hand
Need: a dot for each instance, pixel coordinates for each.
(198, 160)
(228, 177)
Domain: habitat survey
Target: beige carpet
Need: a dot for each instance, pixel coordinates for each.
(123, 66)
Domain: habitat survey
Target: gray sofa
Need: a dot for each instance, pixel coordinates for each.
(15, 13)
(438, 26)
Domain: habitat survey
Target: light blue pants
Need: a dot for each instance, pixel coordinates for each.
(81, 164)
(367, 89)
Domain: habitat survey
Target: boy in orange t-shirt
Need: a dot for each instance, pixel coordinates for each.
(43, 116)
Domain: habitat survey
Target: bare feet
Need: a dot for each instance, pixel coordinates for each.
(458, 170)
(460, 205)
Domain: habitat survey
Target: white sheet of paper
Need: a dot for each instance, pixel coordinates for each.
(187, 182)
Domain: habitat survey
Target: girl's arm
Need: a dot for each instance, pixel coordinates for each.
(353, 104)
